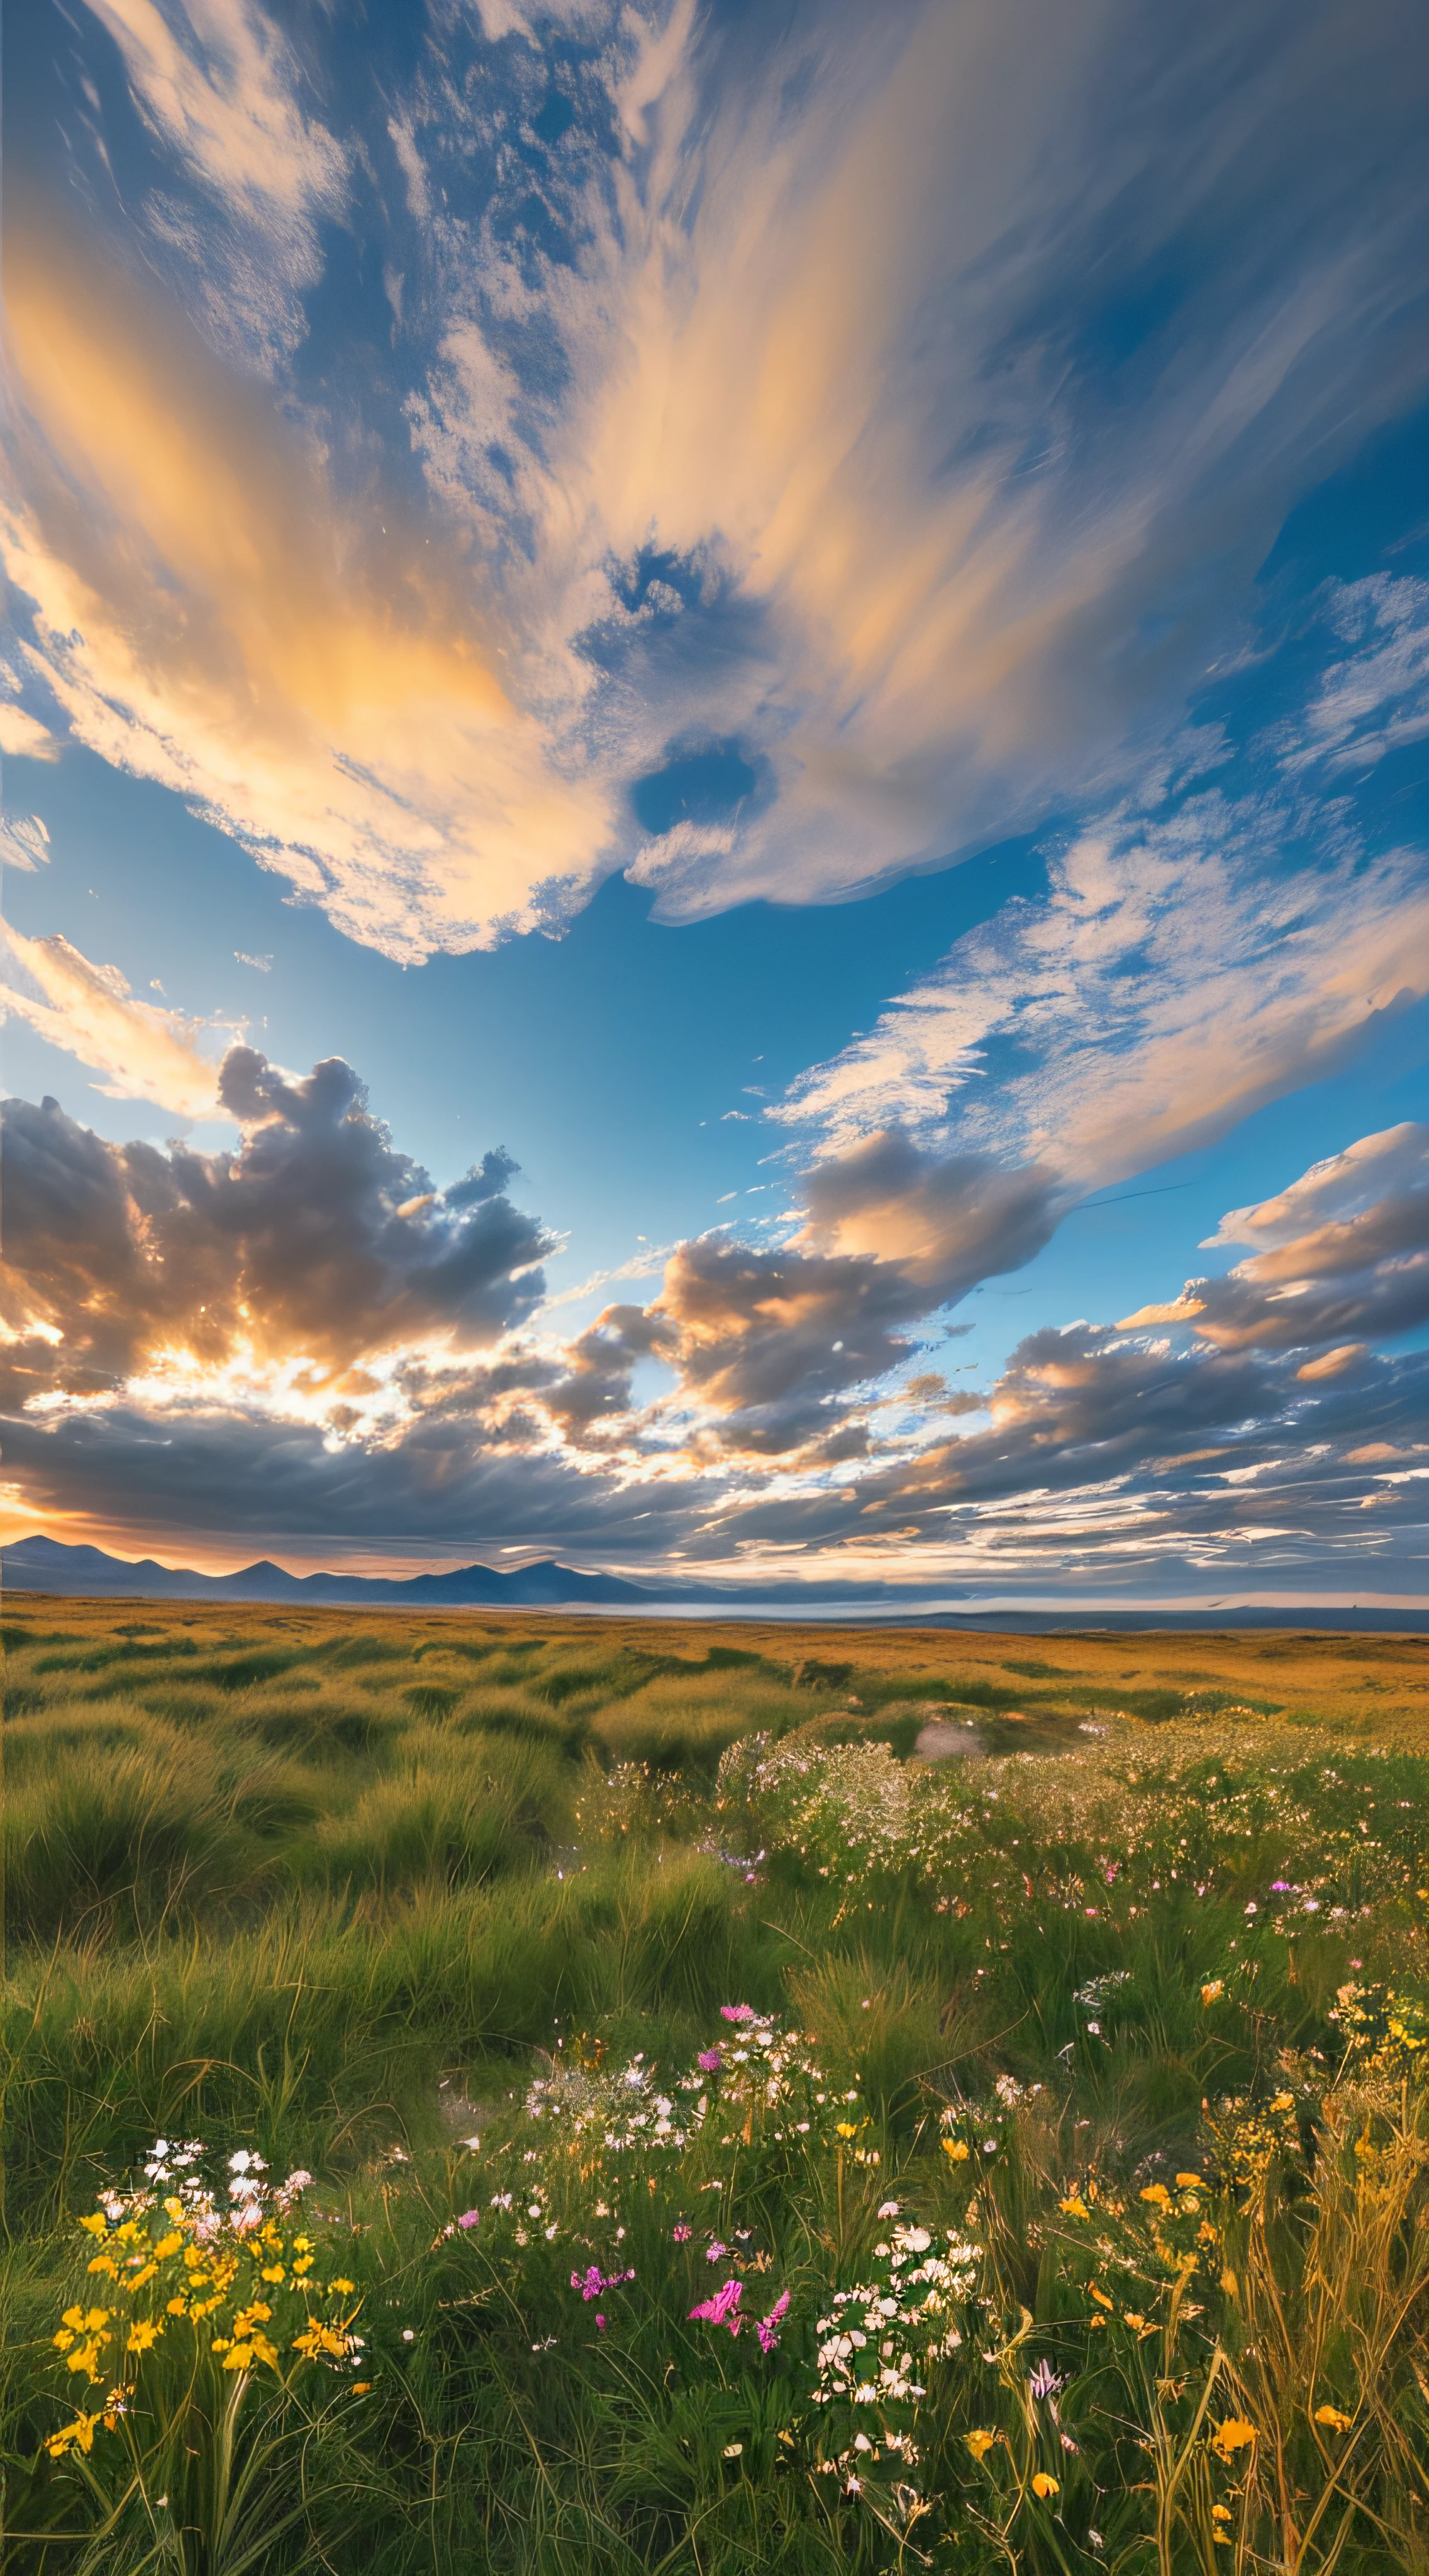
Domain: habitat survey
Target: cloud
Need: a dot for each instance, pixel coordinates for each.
(305, 1339)
(946, 1220)
(315, 1248)
(207, 614)
(219, 88)
(873, 390)
(1176, 976)
(1345, 1258)
(144, 1052)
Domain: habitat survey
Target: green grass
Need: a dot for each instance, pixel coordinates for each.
(336, 1890)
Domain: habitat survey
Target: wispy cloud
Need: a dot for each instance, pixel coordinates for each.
(142, 1052)
(876, 399)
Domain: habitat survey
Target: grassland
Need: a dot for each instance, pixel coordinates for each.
(731, 2140)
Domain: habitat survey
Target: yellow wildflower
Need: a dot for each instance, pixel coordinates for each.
(1331, 2415)
(142, 2334)
(1100, 2297)
(956, 2151)
(272, 2272)
(105, 2263)
(239, 2356)
(1188, 2182)
(1232, 2436)
(166, 2246)
(80, 2432)
(1229, 2283)
(1157, 2194)
(343, 2288)
(1074, 2206)
(845, 2129)
(1215, 1987)
(96, 2224)
(176, 2308)
(980, 2443)
(1044, 2486)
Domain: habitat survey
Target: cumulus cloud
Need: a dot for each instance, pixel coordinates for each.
(1345, 1258)
(872, 389)
(947, 1220)
(317, 1242)
(144, 1052)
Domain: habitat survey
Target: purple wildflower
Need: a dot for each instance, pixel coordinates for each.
(723, 2308)
(600, 2321)
(595, 2281)
(682, 2231)
(709, 2061)
(736, 2012)
(717, 2251)
(767, 2328)
(469, 2218)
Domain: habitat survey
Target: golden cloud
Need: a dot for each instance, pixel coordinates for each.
(305, 669)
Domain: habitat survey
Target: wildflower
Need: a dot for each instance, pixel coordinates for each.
(980, 2443)
(1044, 2486)
(1157, 2194)
(709, 2061)
(1074, 2206)
(846, 2129)
(1044, 2380)
(767, 2328)
(1332, 2416)
(717, 2251)
(956, 2151)
(469, 2218)
(723, 2308)
(681, 2232)
(1216, 1986)
(1232, 2436)
(142, 2335)
(736, 2012)
(1188, 2182)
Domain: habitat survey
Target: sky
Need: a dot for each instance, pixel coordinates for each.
(622, 609)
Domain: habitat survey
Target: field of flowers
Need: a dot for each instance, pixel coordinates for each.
(512, 2096)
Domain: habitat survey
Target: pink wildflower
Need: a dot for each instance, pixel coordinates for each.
(723, 2308)
(469, 2218)
(767, 2328)
(717, 2251)
(600, 2321)
(682, 2231)
(709, 2061)
(736, 2012)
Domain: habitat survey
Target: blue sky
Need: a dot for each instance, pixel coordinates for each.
(817, 636)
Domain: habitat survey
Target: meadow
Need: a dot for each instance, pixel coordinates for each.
(563, 2097)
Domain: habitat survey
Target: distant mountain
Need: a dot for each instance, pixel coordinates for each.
(48, 1565)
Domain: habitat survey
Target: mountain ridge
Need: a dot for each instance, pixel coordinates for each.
(48, 1565)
